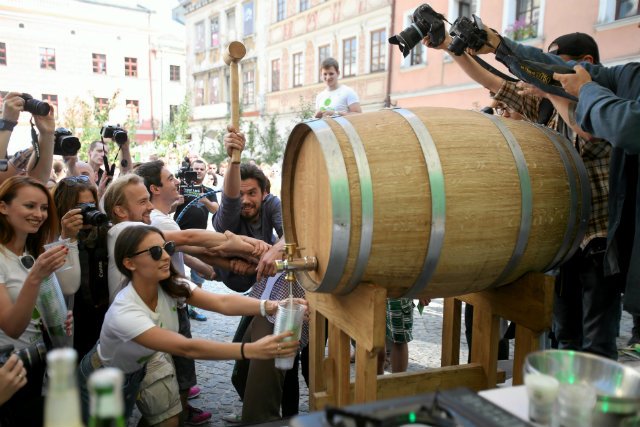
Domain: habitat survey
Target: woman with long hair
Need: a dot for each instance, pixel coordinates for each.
(142, 319)
(28, 220)
(86, 227)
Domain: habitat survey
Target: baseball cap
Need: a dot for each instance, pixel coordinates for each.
(575, 44)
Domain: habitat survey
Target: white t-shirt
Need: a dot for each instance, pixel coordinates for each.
(13, 275)
(128, 317)
(164, 222)
(116, 279)
(337, 100)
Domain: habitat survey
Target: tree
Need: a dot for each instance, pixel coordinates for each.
(272, 143)
(177, 130)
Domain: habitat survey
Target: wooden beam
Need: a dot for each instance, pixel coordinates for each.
(451, 315)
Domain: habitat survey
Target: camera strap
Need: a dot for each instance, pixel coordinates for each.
(34, 142)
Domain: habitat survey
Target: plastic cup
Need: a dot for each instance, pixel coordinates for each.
(288, 318)
(68, 263)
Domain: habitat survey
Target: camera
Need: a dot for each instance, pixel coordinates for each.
(188, 178)
(425, 21)
(35, 106)
(91, 215)
(116, 133)
(33, 357)
(467, 33)
(65, 144)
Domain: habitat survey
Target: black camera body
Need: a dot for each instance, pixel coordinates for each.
(115, 133)
(91, 215)
(65, 144)
(188, 178)
(467, 33)
(426, 21)
(33, 357)
(35, 106)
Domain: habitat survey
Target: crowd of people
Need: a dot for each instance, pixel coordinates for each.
(134, 229)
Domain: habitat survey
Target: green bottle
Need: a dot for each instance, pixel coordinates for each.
(105, 398)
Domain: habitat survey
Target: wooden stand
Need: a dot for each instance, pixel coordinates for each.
(361, 315)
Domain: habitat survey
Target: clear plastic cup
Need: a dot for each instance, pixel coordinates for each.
(68, 263)
(288, 318)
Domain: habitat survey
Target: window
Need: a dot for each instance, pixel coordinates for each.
(465, 8)
(214, 88)
(52, 100)
(247, 13)
(131, 67)
(304, 5)
(3, 54)
(174, 73)
(417, 55)
(215, 31)
(349, 57)
(199, 90)
(47, 58)
(198, 44)
(378, 46)
(297, 69)
(526, 23)
(324, 52)
(173, 112)
(627, 8)
(281, 9)
(101, 103)
(248, 87)
(275, 75)
(231, 25)
(133, 106)
(99, 63)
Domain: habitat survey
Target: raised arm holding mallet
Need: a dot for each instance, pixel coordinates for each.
(232, 55)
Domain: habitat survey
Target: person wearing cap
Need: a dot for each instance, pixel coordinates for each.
(608, 107)
(587, 303)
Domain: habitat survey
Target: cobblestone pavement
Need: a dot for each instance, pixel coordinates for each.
(219, 396)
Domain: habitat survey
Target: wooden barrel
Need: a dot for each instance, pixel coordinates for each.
(430, 201)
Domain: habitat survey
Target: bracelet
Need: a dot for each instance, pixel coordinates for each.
(263, 307)
(242, 351)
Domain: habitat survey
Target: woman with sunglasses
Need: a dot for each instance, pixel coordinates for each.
(73, 195)
(27, 221)
(142, 319)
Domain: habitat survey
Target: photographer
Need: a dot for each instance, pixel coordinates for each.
(99, 153)
(87, 228)
(40, 164)
(197, 214)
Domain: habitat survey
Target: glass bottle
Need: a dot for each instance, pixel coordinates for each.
(62, 403)
(105, 398)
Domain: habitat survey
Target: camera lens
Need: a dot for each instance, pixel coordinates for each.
(33, 356)
(35, 106)
(120, 136)
(457, 46)
(94, 217)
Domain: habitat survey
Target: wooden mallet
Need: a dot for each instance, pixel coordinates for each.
(231, 56)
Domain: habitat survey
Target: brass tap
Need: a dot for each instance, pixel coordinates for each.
(290, 264)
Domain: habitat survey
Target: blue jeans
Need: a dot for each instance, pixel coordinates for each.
(129, 388)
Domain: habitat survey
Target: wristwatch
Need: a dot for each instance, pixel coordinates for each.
(7, 124)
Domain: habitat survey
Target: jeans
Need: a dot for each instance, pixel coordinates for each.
(129, 388)
(587, 304)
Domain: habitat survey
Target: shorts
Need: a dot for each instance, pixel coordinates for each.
(158, 398)
(185, 367)
(400, 320)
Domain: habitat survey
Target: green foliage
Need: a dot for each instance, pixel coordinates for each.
(176, 132)
(306, 109)
(272, 143)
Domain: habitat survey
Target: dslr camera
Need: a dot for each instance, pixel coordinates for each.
(115, 133)
(426, 21)
(467, 33)
(188, 178)
(65, 144)
(33, 357)
(35, 106)
(91, 215)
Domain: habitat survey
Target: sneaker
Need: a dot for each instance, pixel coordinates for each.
(196, 316)
(193, 392)
(232, 418)
(196, 416)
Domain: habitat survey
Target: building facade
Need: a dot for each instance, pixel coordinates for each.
(63, 51)
(435, 80)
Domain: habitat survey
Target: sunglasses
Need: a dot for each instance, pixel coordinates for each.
(156, 251)
(83, 179)
(27, 261)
